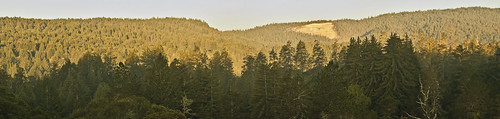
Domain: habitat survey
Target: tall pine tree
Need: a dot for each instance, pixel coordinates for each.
(396, 94)
(301, 57)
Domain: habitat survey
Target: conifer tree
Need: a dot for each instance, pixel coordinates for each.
(298, 100)
(286, 56)
(123, 83)
(262, 96)
(156, 77)
(372, 67)
(17, 81)
(319, 58)
(276, 82)
(92, 70)
(396, 94)
(198, 86)
(301, 57)
(11, 106)
(353, 61)
(4, 78)
(74, 93)
(245, 84)
(249, 68)
(222, 85)
(273, 56)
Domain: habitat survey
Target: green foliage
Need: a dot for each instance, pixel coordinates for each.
(262, 96)
(366, 79)
(359, 103)
(33, 44)
(396, 94)
(74, 93)
(4, 78)
(128, 107)
(301, 57)
(156, 79)
(103, 91)
(222, 90)
(460, 23)
(318, 57)
(160, 112)
(286, 59)
(10, 106)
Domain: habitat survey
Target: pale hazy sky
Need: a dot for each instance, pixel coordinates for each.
(227, 14)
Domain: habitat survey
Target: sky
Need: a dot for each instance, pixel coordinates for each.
(227, 14)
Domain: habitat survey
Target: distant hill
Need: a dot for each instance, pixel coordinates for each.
(34, 43)
(461, 23)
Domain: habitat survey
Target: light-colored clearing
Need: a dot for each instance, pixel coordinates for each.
(323, 29)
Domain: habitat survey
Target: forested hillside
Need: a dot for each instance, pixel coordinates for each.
(461, 23)
(443, 64)
(33, 44)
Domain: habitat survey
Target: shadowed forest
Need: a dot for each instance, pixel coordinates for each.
(366, 79)
(182, 68)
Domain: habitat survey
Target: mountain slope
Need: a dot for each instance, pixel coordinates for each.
(33, 44)
(461, 23)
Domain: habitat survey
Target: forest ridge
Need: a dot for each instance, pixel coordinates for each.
(32, 44)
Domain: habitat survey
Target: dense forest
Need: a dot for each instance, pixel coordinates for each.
(443, 64)
(461, 23)
(33, 44)
(366, 79)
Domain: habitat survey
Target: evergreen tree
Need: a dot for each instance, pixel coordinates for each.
(160, 112)
(301, 57)
(123, 83)
(276, 83)
(178, 75)
(352, 60)
(127, 107)
(198, 86)
(10, 106)
(222, 85)
(156, 77)
(16, 84)
(319, 58)
(261, 95)
(136, 69)
(396, 94)
(372, 65)
(245, 85)
(74, 93)
(323, 92)
(92, 70)
(286, 56)
(273, 56)
(473, 89)
(249, 68)
(4, 78)
(297, 98)
(103, 91)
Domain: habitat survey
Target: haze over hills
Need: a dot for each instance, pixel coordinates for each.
(33, 44)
